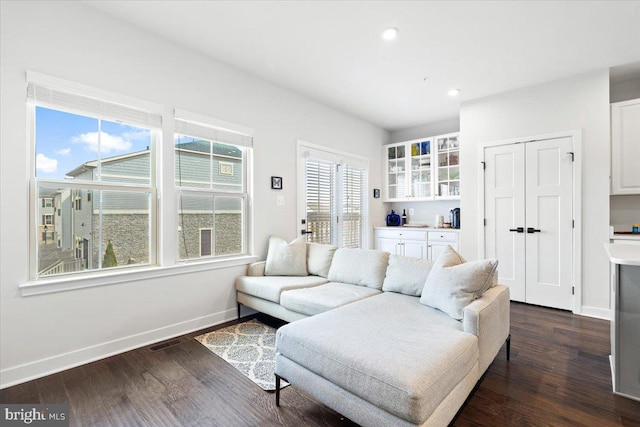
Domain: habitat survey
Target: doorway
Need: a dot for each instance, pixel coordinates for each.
(529, 205)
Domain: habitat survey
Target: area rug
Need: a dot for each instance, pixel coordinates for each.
(250, 348)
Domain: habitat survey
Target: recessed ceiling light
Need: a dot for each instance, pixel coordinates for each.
(390, 33)
(454, 92)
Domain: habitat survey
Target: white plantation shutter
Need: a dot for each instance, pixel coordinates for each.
(335, 198)
(320, 182)
(354, 206)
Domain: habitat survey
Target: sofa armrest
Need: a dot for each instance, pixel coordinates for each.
(256, 268)
(488, 318)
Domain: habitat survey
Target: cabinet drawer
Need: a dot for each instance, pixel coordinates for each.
(402, 234)
(443, 236)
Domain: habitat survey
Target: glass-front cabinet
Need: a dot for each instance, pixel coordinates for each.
(422, 169)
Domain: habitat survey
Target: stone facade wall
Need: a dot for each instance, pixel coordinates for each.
(228, 234)
(129, 235)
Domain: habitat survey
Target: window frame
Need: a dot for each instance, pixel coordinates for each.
(162, 263)
(341, 159)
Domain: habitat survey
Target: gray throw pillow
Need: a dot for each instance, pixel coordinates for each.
(319, 258)
(286, 259)
(453, 284)
(406, 275)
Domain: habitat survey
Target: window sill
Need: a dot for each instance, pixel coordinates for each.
(61, 284)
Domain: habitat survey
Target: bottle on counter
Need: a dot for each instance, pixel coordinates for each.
(404, 216)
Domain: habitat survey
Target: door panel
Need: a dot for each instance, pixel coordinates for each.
(504, 211)
(529, 185)
(388, 245)
(549, 207)
(414, 249)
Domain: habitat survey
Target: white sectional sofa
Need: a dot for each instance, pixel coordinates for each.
(383, 339)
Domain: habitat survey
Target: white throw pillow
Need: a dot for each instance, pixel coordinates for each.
(362, 267)
(453, 283)
(319, 258)
(286, 259)
(406, 275)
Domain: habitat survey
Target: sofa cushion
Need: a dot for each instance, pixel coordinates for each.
(319, 258)
(312, 301)
(286, 259)
(388, 349)
(406, 275)
(362, 267)
(453, 284)
(271, 287)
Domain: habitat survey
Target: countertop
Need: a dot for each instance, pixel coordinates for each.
(417, 227)
(625, 254)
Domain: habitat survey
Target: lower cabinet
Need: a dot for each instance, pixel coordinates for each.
(415, 243)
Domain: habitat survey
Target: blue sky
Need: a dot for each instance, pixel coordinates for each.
(65, 141)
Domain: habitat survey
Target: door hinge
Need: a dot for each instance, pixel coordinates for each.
(573, 156)
(573, 290)
(573, 223)
(484, 221)
(484, 166)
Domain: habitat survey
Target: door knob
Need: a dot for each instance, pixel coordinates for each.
(517, 230)
(532, 230)
(303, 232)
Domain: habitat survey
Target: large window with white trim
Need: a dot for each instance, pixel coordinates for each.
(94, 172)
(211, 178)
(333, 195)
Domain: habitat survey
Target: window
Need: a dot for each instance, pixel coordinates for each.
(334, 197)
(94, 163)
(95, 187)
(211, 175)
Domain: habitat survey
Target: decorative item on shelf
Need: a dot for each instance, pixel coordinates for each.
(393, 219)
(404, 216)
(635, 229)
(446, 225)
(276, 183)
(439, 221)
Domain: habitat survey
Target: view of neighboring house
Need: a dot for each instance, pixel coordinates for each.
(78, 224)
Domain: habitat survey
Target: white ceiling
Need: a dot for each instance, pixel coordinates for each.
(331, 51)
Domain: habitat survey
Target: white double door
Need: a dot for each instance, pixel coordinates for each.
(528, 202)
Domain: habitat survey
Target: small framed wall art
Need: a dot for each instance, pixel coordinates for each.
(276, 183)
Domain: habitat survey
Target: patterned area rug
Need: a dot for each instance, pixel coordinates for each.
(250, 348)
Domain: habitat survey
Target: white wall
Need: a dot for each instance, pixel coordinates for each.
(425, 212)
(624, 91)
(71, 41)
(580, 102)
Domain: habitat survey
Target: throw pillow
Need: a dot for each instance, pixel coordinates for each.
(319, 258)
(453, 284)
(406, 275)
(362, 267)
(286, 259)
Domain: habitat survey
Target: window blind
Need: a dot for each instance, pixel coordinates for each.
(354, 209)
(61, 99)
(320, 181)
(214, 134)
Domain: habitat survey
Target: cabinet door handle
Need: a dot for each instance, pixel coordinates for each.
(518, 230)
(532, 230)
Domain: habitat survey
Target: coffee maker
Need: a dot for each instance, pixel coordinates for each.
(454, 217)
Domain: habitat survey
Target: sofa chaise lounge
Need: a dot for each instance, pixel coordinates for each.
(382, 339)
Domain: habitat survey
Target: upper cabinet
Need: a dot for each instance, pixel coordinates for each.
(625, 147)
(422, 169)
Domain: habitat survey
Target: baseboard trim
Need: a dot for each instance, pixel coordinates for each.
(598, 313)
(61, 362)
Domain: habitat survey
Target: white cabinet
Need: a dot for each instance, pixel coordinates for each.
(625, 147)
(422, 169)
(415, 243)
(439, 240)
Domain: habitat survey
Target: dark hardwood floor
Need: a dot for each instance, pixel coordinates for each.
(558, 375)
